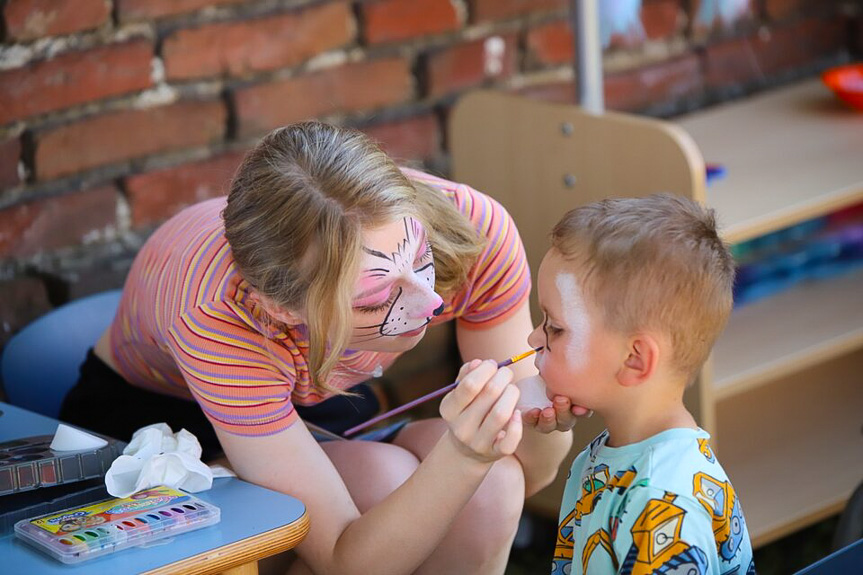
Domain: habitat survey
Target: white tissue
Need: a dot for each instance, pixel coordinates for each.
(533, 394)
(68, 438)
(158, 456)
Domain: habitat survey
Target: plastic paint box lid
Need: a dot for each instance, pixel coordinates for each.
(83, 533)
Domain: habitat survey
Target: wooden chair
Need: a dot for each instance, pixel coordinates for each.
(542, 159)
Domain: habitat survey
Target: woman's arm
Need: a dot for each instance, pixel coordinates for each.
(540, 452)
(417, 515)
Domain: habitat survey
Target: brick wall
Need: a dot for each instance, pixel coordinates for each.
(114, 114)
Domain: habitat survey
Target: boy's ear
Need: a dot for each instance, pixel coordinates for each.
(641, 362)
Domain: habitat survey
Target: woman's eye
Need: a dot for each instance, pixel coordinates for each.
(379, 307)
(425, 254)
(554, 330)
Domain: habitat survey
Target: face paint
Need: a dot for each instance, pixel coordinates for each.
(576, 318)
(396, 283)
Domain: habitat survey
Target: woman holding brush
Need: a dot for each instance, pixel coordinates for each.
(270, 308)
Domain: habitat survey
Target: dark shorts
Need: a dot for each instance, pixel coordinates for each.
(104, 402)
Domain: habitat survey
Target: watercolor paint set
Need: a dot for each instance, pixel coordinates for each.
(83, 533)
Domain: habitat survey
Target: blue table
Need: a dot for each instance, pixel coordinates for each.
(255, 523)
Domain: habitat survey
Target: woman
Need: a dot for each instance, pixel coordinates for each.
(324, 264)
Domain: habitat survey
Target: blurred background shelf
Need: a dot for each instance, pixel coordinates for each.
(790, 154)
(787, 390)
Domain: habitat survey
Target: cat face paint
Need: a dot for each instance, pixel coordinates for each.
(394, 297)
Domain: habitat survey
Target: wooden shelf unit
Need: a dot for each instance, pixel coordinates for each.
(787, 374)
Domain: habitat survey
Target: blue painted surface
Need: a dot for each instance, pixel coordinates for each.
(246, 510)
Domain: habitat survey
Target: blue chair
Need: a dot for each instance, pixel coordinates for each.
(40, 363)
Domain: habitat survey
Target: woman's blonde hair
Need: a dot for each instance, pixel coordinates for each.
(653, 263)
(294, 219)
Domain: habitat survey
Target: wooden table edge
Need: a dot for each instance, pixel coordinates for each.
(241, 552)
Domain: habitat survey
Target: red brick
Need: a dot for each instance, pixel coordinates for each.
(75, 78)
(238, 48)
(117, 136)
(551, 43)
(391, 20)
(129, 10)
(357, 87)
(466, 65)
(10, 153)
(484, 10)
(416, 138)
(781, 9)
(556, 92)
(22, 299)
(747, 60)
(156, 196)
(32, 19)
(657, 84)
(42, 225)
(662, 18)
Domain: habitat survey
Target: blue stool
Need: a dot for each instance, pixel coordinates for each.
(848, 560)
(40, 363)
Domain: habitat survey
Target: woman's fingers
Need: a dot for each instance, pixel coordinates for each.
(507, 440)
(481, 384)
(498, 419)
(480, 411)
(471, 381)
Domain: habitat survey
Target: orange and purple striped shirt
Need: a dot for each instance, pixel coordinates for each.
(187, 327)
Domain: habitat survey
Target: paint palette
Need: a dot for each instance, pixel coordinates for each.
(29, 463)
(83, 533)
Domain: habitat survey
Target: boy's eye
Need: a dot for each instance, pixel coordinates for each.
(379, 307)
(549, 329)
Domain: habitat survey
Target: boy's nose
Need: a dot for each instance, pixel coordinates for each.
(534, 338)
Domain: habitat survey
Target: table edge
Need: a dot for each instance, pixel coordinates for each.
(240, 552)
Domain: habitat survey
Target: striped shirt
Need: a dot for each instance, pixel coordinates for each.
(186, 325)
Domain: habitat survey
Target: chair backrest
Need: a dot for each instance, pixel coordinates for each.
(40, 363)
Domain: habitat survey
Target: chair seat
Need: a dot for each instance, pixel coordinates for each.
(40, 363)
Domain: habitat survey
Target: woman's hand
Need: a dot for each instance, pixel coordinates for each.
(481, 411)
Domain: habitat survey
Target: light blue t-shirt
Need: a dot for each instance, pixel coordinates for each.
(662, 505)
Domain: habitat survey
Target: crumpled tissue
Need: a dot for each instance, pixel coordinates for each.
(158, 456)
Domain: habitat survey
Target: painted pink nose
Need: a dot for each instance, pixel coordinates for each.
(433, 306)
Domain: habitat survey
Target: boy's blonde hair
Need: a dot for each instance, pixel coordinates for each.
(653, 263)
(294, 219)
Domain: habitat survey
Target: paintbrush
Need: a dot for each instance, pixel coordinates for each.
(429, 396)
(324, 432)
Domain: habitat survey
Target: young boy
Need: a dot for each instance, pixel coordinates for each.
(635, 292)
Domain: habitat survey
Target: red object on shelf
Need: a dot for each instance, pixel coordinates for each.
(847, 82)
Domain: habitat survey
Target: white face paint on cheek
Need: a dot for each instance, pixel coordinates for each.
(576, 318)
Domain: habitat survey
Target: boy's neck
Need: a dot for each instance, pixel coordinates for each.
(645, 413)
